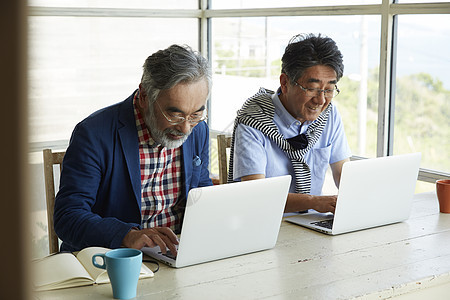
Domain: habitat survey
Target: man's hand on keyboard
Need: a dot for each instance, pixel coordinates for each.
(152, 237)
(324, 204)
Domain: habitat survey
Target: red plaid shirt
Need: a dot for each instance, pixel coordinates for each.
(160, 179)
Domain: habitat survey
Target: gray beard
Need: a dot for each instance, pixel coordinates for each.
(161, 136)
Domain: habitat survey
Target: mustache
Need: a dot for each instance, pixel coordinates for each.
(174, 132)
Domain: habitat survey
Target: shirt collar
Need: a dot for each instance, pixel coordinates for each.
(143, 133)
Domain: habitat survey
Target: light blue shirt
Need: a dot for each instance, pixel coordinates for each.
(255, 153)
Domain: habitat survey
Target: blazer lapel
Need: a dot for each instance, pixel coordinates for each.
(187, 164)
(130, 146)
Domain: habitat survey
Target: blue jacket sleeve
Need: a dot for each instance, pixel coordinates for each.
(95, 205)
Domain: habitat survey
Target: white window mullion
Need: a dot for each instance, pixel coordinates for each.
(384, 89)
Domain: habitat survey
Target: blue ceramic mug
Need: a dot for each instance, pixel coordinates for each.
(123, 266)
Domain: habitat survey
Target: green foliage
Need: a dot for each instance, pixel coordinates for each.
(372, 89)
(428, 81)
(275, 70)
(422, 119)
(347, 103)
(249, 67)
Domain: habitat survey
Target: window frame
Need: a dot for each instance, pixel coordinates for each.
(388, 10)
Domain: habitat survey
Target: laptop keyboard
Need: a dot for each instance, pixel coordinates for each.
(325, 223)
(169, 254)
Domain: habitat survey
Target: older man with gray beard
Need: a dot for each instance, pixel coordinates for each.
(129, 167)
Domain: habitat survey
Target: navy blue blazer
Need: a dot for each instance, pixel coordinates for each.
(99, 199)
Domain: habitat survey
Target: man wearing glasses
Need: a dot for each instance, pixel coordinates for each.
(297, 130)
(129, 167)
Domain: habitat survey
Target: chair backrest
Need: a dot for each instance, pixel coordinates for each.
(51, 159)
(223, 142)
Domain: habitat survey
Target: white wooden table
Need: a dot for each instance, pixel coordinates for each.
(378, 263)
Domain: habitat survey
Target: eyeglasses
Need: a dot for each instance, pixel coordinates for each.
(192, 119)
(328, 94)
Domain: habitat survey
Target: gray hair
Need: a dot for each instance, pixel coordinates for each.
(307, 50)
(177, 64)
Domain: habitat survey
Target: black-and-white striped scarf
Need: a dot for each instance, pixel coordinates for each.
(258, 112)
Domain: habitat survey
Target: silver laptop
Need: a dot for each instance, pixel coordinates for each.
(229, 220)
(372, 192)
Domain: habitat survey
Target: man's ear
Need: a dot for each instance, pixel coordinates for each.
(142, 99)
(284, 81)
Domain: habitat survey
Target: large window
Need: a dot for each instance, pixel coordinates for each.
(422, 93)
(80, 64)
(246, 55)
(85, 55)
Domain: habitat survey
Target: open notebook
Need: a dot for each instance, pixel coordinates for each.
(372, 192)
(64, 270)
(228, 220)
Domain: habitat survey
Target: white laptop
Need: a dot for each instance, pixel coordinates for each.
(229, 220)
(372, 192)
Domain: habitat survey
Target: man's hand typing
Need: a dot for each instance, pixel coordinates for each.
(152, 237)
(324, 204)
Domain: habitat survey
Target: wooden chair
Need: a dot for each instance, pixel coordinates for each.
(51, 159)
(223, 142)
